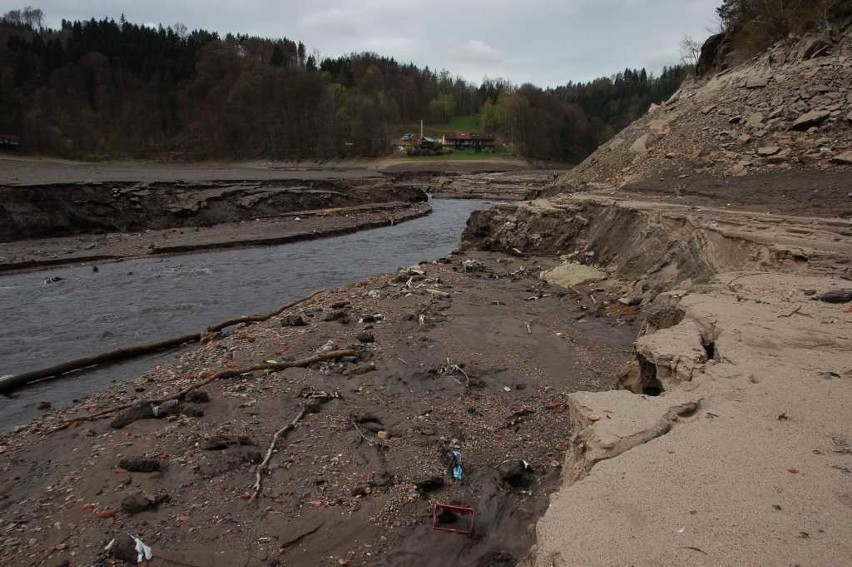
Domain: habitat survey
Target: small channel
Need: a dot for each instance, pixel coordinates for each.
(138, 301)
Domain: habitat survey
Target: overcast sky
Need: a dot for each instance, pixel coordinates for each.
(545, 42)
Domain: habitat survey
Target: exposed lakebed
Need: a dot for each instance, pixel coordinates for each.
(138, 301)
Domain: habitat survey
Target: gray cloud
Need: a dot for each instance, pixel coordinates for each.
(545, 42)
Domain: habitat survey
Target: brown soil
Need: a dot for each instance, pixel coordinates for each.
(333, 497)
(799, 192)
(52, 210)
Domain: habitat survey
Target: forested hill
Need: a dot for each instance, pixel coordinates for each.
(100, 89)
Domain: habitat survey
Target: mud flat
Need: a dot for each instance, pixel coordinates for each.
(478, 356)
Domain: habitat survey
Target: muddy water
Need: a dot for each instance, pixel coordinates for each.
(138, 301)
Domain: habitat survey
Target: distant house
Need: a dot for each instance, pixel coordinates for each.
(9, 141)
(422, 142)
(468, 141)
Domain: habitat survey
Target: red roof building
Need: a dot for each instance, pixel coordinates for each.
(468, 140)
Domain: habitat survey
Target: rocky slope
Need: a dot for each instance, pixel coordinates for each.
(788, 108)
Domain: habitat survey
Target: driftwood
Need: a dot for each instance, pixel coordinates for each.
(224, 374)
(265, 463)
(10, 383)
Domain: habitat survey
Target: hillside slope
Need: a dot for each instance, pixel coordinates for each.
(788, 108)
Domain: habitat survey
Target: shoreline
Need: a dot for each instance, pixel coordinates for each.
(29, 255)
(421, 375)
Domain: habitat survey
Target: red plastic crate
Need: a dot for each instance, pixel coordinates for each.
(463, 518)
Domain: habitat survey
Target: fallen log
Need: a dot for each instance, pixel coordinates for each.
(224, 374)
(13, 382)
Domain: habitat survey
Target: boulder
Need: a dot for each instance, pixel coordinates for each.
(571, 274)
(767, 151)
(640, 146)
(843, 159)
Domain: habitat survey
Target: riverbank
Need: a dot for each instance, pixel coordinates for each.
(721, 445)
(475, 356)
(287, 228)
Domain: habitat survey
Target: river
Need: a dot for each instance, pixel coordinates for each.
(137, 301)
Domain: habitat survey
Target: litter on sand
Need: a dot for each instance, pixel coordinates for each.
(455, 519)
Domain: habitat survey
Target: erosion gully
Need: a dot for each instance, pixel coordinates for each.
(61, 314)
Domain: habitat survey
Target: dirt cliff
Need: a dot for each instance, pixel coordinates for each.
(40, 211)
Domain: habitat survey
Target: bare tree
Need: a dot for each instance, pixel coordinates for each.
(180, 30)
(29, 16)
(690, 50)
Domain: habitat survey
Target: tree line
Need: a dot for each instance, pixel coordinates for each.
(101, 88)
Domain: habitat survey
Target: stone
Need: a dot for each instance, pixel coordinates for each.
(139, 464)
(767, 151)
(849, 117)
(136, 503)
(837, 296)
(365, 337)
(335, 316)
(191, 410)
(739, 168)
(292, 321)
(843, 159)
(197, 397)
(123, 548)
(571, 274)
(754, 120)
(757, 82)
(810, 119)
(640, 146)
